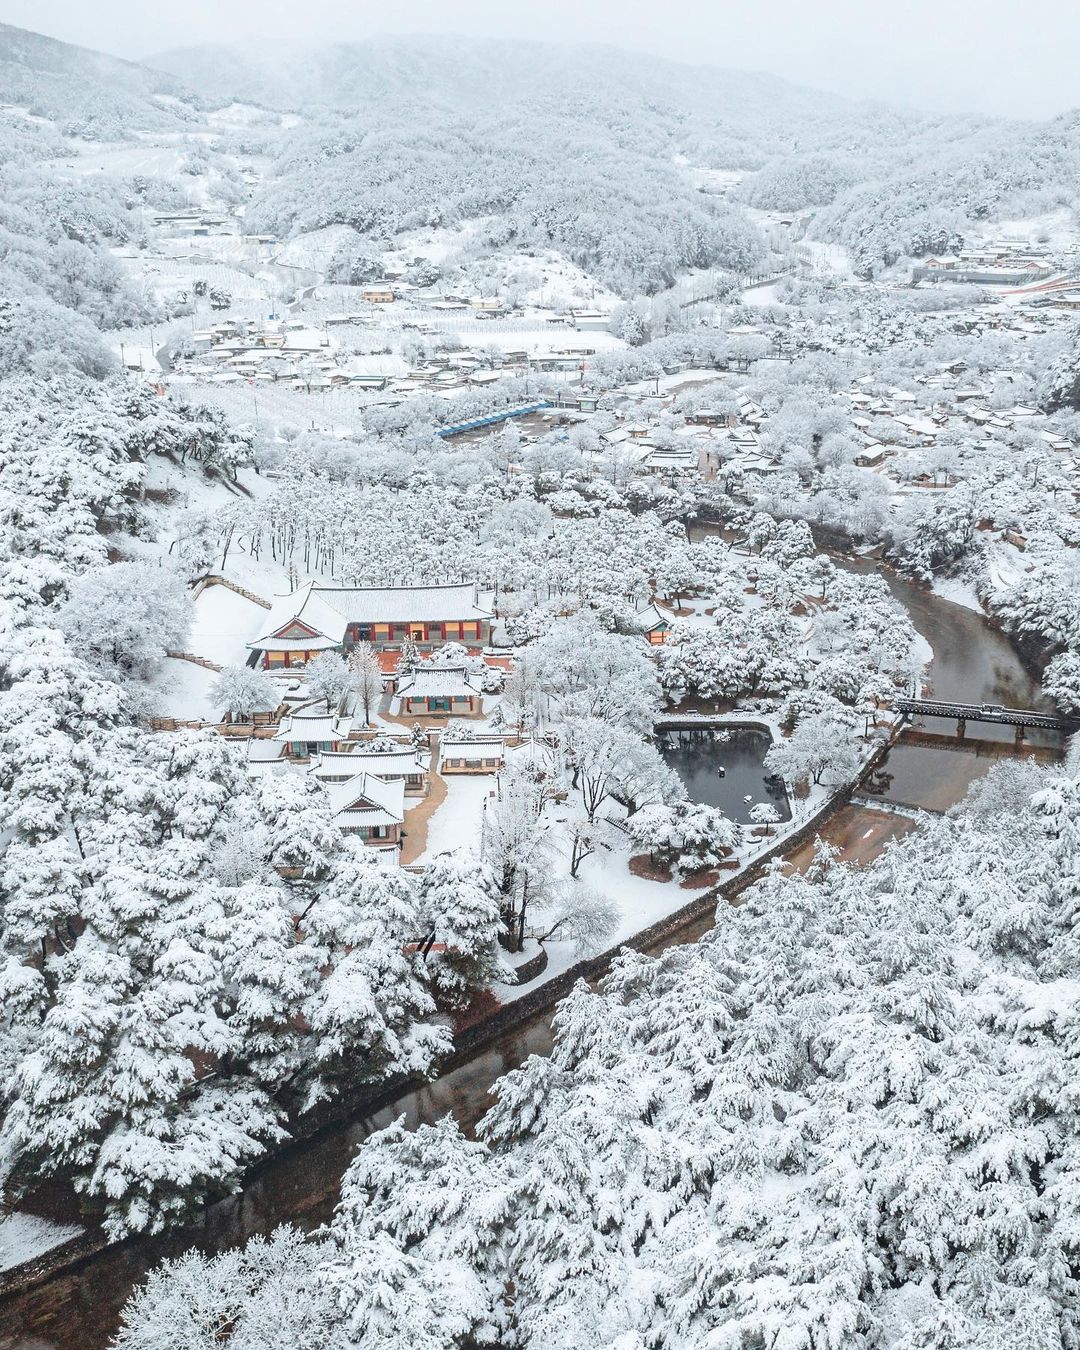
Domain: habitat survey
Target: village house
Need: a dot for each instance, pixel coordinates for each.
(315, 618)
(712, 417)
(871, 456)
(590, 320)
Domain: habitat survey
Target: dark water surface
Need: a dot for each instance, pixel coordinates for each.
(973, 663)
(724, 768)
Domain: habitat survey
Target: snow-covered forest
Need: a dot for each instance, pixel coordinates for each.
(842, 1118)
(693, 417)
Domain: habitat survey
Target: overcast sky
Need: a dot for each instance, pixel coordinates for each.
(1018, 58)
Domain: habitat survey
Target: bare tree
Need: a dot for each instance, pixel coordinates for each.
(365, 677)
(586, 916)
(584, 841)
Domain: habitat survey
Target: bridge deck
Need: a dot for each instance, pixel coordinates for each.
(982, 712)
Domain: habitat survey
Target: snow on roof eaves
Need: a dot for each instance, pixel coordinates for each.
(313, 727)
(386, 798)
(493, 749)
(390, 762)
(416, 604)
(436, 684)
(650, 615)
(312, 611)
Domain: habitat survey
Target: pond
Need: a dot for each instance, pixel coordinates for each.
(724, 767)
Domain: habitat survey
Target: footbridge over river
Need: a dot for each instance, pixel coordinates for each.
(963, 713)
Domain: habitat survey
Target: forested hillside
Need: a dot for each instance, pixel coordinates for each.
(1014, 169)
(748, 115)
(399, 133)
(87, 93)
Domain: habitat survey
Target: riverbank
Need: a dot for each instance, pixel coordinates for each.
(959, 594)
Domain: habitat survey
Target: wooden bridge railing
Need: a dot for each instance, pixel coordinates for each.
(984, 712)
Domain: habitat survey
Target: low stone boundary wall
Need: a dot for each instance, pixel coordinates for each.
(214, 580)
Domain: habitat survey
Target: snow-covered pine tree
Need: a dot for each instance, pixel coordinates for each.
(459, 909)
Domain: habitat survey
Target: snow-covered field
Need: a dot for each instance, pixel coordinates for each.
(147, 157)
(457, 821)
(181, 689)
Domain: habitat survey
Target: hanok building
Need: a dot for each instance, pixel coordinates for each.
(440, 691)
(315, 619)
(370, 808)
(472, 756)
(655, 625)
(312, 731)
(404, 763)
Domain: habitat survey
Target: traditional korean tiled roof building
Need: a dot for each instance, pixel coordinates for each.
(370, 808)
(440, 690)
(311, 731)
(315, 619)
(410, 765)
(477, 755)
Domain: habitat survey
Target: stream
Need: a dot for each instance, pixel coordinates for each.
(973, 663)
(78, 1309)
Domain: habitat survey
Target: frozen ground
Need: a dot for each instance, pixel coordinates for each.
(457, 822)
(758, 297)
(532, 332)
(667, 384)
(826, 259)
(181, 689)
(1057, 228)
(316, 248)
(149, 158)
(960, 592)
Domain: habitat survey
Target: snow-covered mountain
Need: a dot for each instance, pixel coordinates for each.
(86, 92)
(459, 73)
